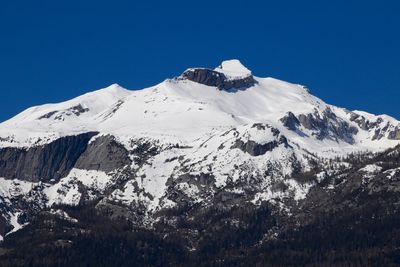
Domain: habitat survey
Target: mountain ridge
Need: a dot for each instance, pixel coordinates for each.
(211, 142)
(270, 99)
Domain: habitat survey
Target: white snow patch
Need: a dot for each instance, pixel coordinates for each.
(64, 192)
(14, 222)
(15, 187)
(371, 168)
(62, 214)
(295, 190)
(168, 203)
(392, 172)
(128, 195)
(152, 177)
(300, 190)
(91, 178)
(189, 189)
(233, 69)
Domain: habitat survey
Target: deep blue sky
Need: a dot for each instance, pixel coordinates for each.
(346, 52)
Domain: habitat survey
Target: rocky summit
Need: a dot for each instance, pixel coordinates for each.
(215, 167)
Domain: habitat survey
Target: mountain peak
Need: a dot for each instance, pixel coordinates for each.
(112, 90)
(233, 68)
(114, 87)
(230, 74)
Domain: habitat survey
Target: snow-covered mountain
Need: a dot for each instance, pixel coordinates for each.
(206, 135)
(190, 107)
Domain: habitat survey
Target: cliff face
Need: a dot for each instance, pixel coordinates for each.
(45, 163)
(104, 154)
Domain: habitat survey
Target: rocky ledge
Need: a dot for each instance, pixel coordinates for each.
(229, 75)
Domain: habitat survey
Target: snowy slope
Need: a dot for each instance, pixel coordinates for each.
(179, 110)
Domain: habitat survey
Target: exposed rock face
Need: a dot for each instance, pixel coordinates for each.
(255, 149)
(47, 115)
(142, 150)
(364, 123)
(327, 126)
(179, 188)
(202, 179)
(3, 226)
(290, 121)
(380, 129)
(395, 134)
(43, 163)
(214, 78)
(104, 154)
(379, 132)
(76, 110)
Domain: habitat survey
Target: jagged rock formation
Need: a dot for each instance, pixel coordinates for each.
(326, 125)
(217, 79)
(230, 75)
(255, 149)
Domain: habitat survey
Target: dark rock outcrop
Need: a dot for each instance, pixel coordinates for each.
(255, 149)
(46, 162)
(380, 132)
(4, 226)
(202, 179)
(104, 154)
(290, 121)
(47, 115)
(327, 126)
(392, 132)
(76, 110)
(364, 123)
(214, 78)
(395, 134)
(203, 182)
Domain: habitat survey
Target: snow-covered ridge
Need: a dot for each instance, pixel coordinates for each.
(181, 110)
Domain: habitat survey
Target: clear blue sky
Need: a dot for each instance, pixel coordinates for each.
(346, 52)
